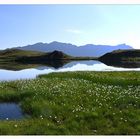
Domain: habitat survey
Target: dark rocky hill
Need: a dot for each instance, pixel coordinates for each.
(122, 58)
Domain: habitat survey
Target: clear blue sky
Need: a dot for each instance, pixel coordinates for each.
(77, 24)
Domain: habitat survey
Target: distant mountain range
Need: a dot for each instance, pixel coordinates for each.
(89, 50)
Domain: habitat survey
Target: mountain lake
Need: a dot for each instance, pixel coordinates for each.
(88, 65)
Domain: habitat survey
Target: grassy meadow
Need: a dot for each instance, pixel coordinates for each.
(75, 103)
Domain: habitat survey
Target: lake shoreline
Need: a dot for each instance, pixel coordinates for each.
(30, 71)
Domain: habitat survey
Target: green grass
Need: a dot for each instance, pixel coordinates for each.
(17, 53)
(131, 59)
(75, 103)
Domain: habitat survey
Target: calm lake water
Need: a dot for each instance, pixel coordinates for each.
(10, 111)
(72, 66)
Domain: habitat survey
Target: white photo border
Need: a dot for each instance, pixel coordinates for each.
(70, 2)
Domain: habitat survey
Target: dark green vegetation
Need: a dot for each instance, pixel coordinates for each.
(75, 103)
(124, 55)
(14, 59)
(8, 57)
(122, 58)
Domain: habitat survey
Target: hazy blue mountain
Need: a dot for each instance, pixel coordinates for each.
(73, 50)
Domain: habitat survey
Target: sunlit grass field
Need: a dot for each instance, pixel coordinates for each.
(75, 103)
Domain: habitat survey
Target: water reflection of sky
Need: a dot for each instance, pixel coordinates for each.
(10, 111)
(72, 66)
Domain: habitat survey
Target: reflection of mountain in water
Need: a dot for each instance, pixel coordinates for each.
(68, 64)
(32, 72)
(89, 62)
(122, 64)
(53, 64)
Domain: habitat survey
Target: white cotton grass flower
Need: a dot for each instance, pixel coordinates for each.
(16, 125)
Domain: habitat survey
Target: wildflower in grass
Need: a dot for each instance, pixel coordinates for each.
(76, 116)
(16, 125)
(95, 131)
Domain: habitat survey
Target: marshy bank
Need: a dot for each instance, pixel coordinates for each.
(78, 103)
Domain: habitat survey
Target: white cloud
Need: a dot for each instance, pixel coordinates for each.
(74, 31)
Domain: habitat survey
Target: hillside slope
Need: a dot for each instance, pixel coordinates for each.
(122, 58)
(122, 55)
(13, 53)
